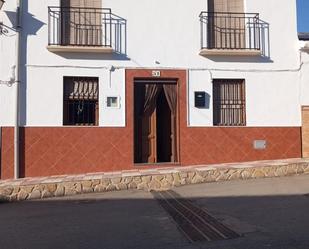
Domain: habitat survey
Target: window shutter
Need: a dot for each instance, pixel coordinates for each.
(226, 5)
(81, 22)
(82, 3)
(81, 88)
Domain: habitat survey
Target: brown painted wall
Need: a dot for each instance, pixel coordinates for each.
(74, 150)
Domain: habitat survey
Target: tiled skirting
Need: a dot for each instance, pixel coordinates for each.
(155, 179)
(47, 151)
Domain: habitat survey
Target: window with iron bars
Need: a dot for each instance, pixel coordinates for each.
(80, 103)
(229, 102)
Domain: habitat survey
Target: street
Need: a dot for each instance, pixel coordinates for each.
(266, 213)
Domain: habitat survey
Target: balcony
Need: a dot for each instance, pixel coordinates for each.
(72, 29)
(231, 34)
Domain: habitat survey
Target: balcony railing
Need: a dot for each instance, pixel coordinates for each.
(86, 27)
(230, 31)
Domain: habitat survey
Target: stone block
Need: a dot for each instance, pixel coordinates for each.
(100, 188)
(51, 187)
(47, 194)
(197, 179)
(59, 191)
(146, 179)
(154, 185)
(95, 182)
(258, 173)
(137, 179)
(111, 187)
(169, 178)
(158, 177)
(6, 191)
(121, 186)
(132, 185)
(128, 179)
(247, 174)
(22, 195)
(143, 186)
(35, 194)
(116, 180)
(105, 182)
(78, 187)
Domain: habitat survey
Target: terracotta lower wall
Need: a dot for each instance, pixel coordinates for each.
(221, 145)
(74, 150)
(57, 151)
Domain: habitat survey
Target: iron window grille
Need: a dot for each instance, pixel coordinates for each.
(229, 102)
(80, 105)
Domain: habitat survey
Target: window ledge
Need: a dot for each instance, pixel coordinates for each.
(80, 49)
(230, 52)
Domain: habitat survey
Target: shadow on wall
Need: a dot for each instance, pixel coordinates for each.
(31, 26)
(94, 56)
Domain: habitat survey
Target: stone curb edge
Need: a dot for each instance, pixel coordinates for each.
(158, 182)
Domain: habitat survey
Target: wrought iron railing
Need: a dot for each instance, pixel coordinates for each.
(73, 26)
(221, 30)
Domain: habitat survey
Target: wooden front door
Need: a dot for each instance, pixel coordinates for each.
(149, 138)
(305, 131)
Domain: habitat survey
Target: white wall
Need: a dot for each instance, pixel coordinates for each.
(44, 109)
(304, 76)
(272, 99)
(167, 31)
(7, 61)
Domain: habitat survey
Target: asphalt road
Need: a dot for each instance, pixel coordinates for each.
(268, 213)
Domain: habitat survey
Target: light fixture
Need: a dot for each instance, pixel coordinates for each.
(1, 3)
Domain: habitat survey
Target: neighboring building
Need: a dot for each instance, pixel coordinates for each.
(153, 83)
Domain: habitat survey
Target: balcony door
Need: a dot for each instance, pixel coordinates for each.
(226, 24)
(81, 22)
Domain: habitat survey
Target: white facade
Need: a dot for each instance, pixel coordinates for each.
(161, 34)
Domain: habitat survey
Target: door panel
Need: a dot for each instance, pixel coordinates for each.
(149, 138)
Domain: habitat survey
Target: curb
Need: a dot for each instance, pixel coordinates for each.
(148, 180)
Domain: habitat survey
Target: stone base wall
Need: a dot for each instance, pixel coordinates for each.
(157, 181)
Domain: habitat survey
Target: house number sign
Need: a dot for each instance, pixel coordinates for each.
(156, 74)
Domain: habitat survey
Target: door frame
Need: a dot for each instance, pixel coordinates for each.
(158, 81)
(180, 76)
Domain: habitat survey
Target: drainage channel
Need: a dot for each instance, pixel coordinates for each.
(195, 223)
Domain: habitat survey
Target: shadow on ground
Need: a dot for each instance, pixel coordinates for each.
(133, 219)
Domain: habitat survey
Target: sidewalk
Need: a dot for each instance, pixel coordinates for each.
(152, 179)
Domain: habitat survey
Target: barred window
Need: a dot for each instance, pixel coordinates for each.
(229, 105)
(80, 105)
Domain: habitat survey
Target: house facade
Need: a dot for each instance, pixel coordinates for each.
(119, 85)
